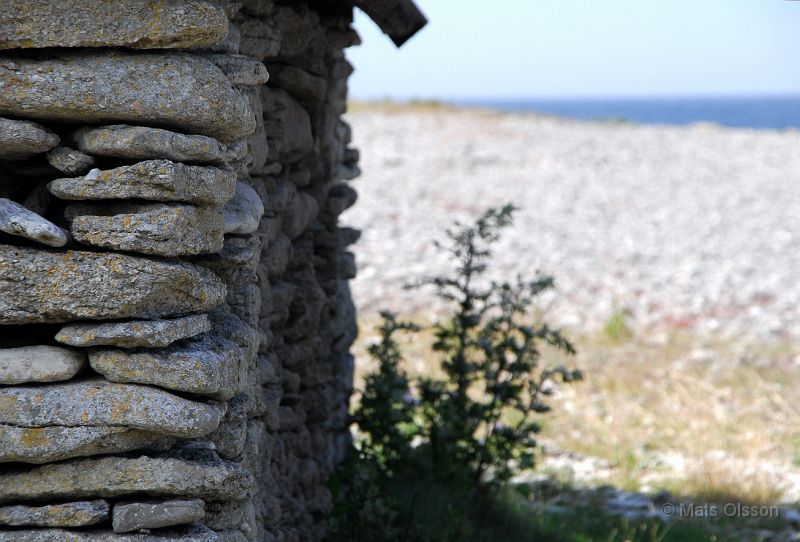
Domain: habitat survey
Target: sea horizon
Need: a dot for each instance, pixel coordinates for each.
(773, 112)
(764, 112)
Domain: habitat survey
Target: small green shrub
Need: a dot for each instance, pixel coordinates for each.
(454, 441)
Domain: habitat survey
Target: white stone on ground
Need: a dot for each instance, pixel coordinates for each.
(694, 227)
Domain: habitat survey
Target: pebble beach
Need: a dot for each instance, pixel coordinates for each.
(692, 227)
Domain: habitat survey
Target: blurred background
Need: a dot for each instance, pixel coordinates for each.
(654, 154)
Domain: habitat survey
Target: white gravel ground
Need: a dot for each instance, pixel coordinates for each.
(696, 227)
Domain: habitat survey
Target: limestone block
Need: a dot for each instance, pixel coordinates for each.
(111, 477)
(115, 86)
(287, 125)
(240, 69)
(46, 444)
(259, 38)
(45, 286)
(39, 364)
(158, 229)
(156, 180)
(277, 255)
(205, 366)
(71, 514)
(340, 198)
(196, 533)
(136, 333)
(304, 210)
(154, 515)
(20, 139)
(298, 29)
(243, 213)
(97, 403)
(70, 161)
(145, 143)
(140, 24)
(17, 220)
(229, 438)
(299, 83)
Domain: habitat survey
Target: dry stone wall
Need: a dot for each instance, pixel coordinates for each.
(175, 319)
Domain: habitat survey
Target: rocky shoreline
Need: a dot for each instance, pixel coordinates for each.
(693, 228)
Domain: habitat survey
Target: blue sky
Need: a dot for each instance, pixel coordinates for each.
(589, 48)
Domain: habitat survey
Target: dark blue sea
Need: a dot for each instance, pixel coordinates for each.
(762, 113)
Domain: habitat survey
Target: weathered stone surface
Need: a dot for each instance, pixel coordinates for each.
(154, 515)
(231, 42)
(259, 38)
(139, 24)
(238, 260)
(299, 83)
(46, 286)
(147, 333)
(158, 228)
(243, 213)
(156, 180)
(206, 366)
(95, 402)
(39, 364)
(20, 139)
(304, 209)
(194, 534)
(287, 125)
(71, 514)
(17, 220)
(46, 444)
(172, 90)
(70, 161)
(110, 477)
(240, 69)
(144, 143)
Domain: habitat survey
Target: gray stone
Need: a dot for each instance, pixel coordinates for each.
(17, 220)
(70, 161)
(196, 533)
(45, 286)
(238, 260)
(115, 86)
(302, 212)
(240, 69)
(259, 38)
(111, 477)
(20, 139)
(299, 83)
(97, 403)
(156, 180)
(133, 334)
(71, 514)
(277, 255)
(46, 444)
(155, 515)
(207, 366)
(287, 125)
(144, 143)
(141, 24)
(298, 29)
(231, 42)
(243, 213)
(39, 364)
(157, 228)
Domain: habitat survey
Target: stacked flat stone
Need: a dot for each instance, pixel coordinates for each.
(175, 319)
